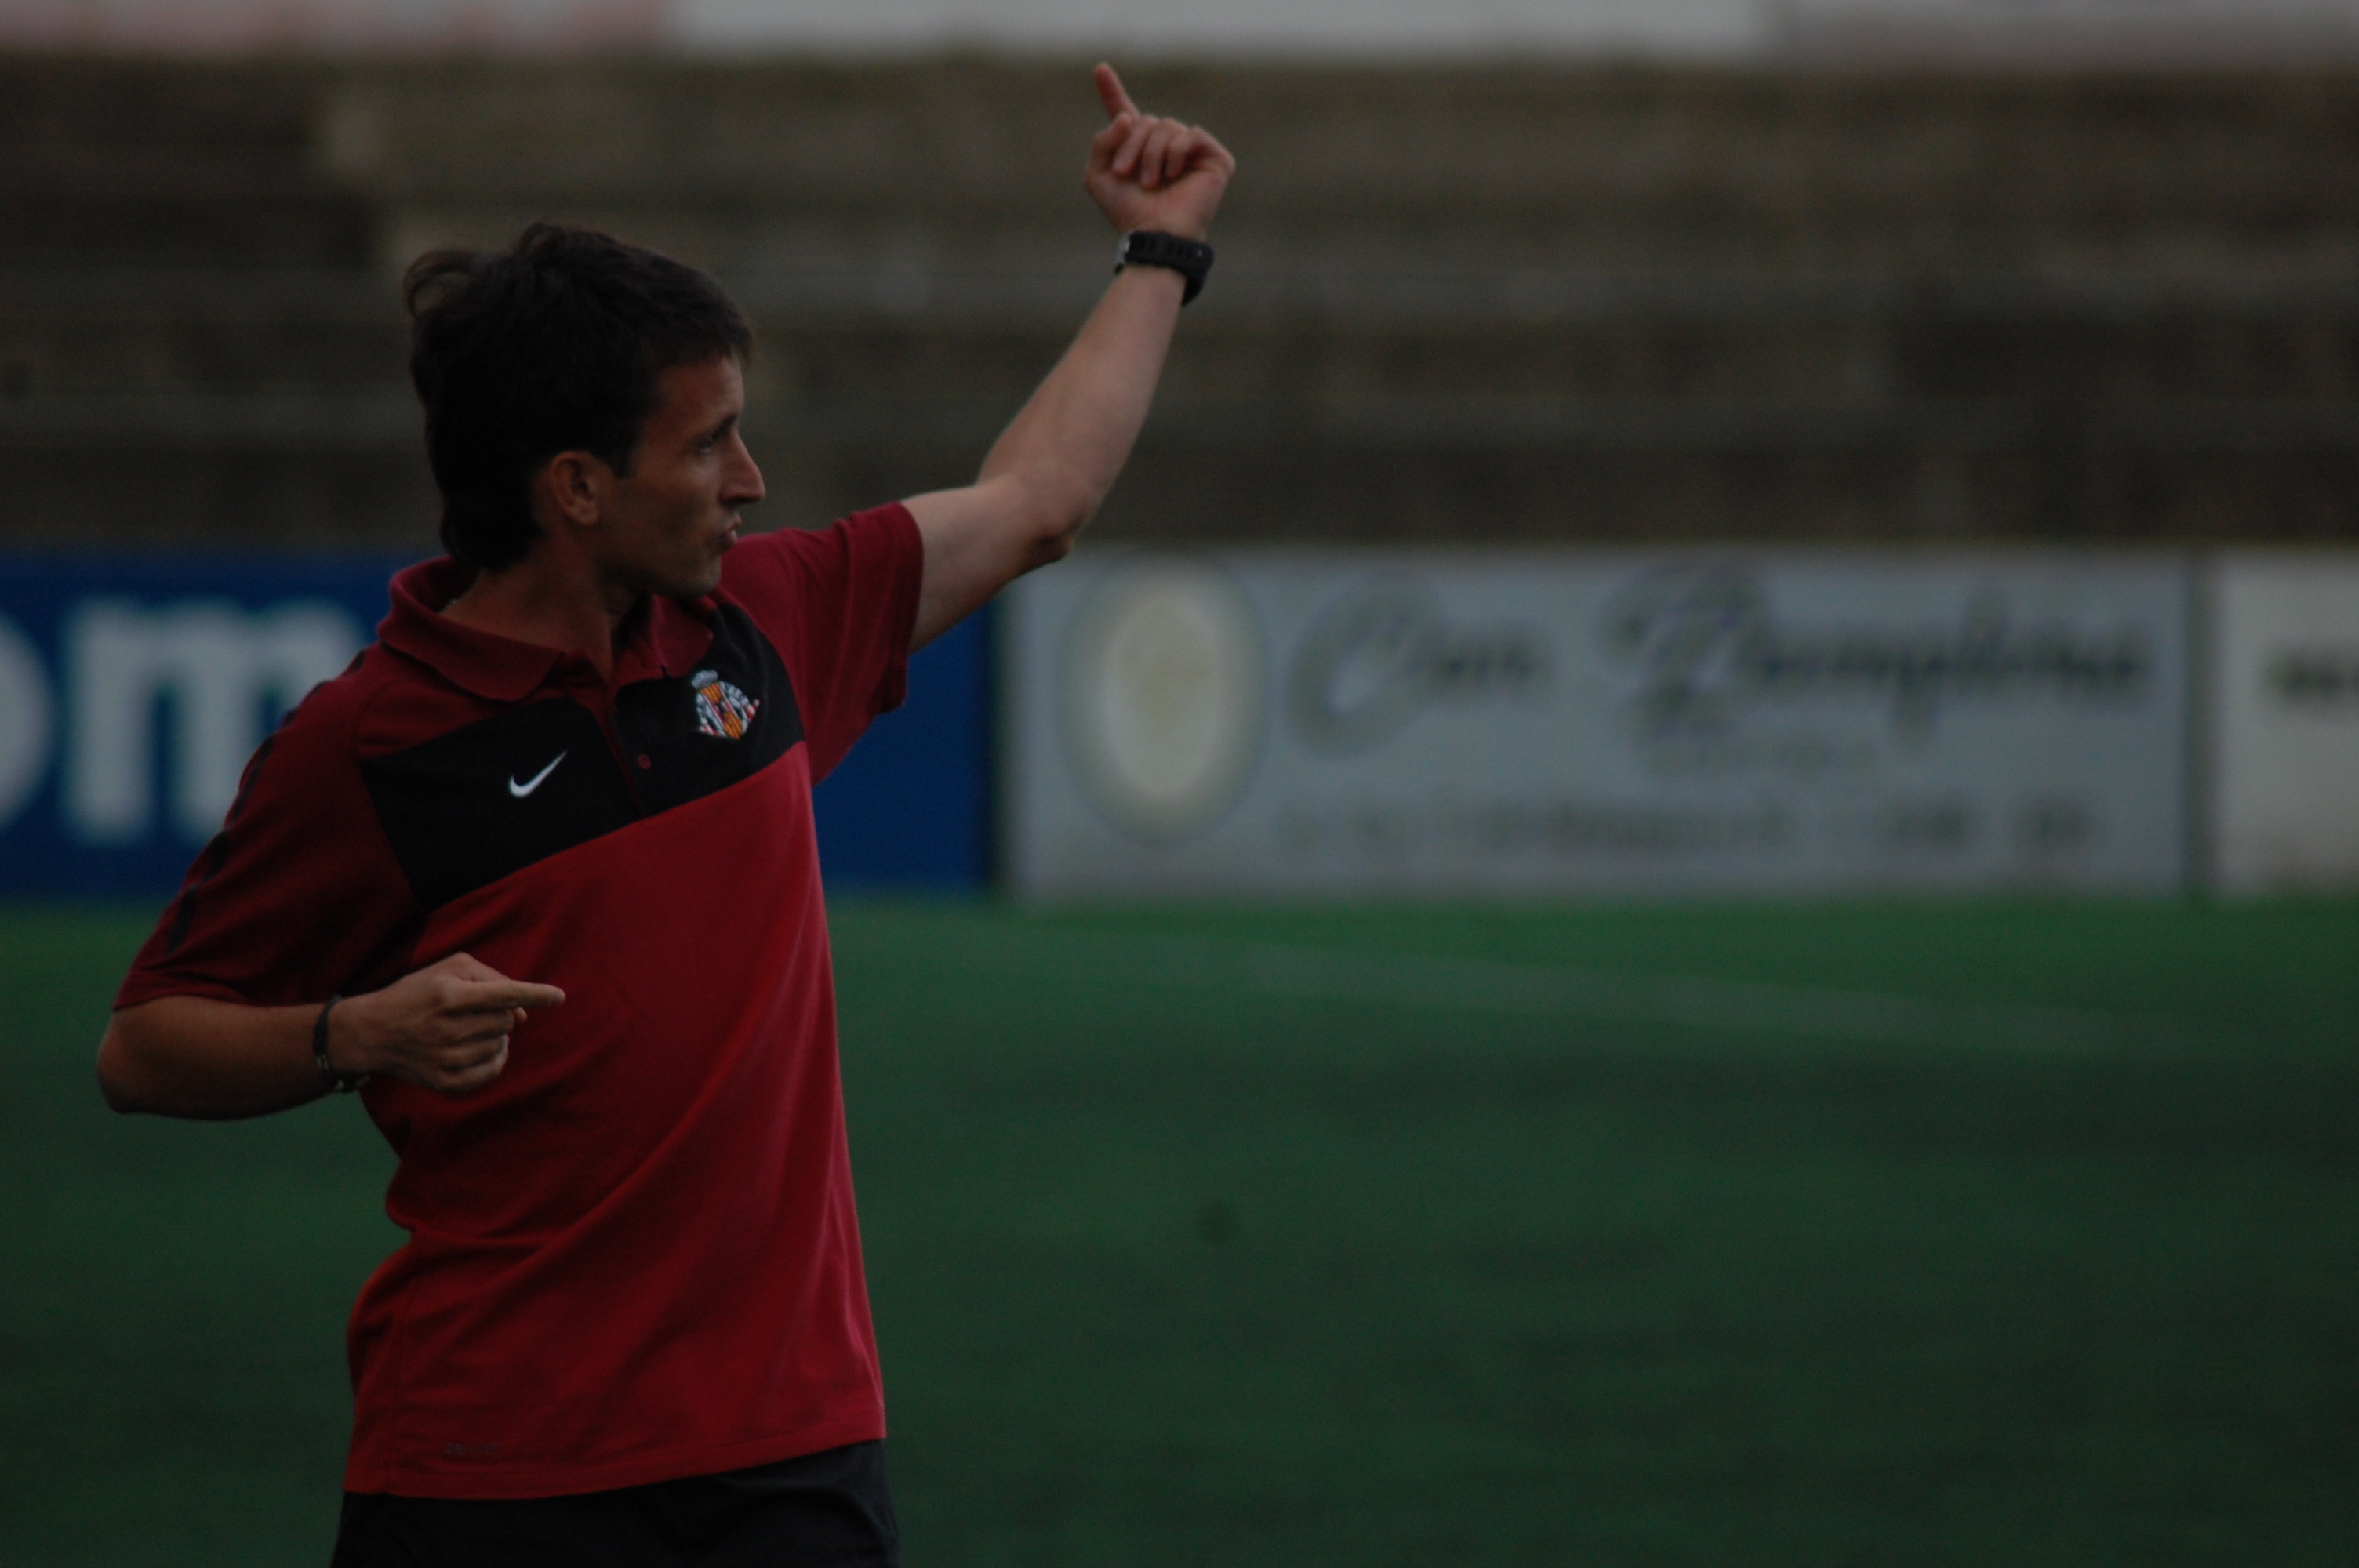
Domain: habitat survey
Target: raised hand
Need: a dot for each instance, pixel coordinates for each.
(1148, 172)
(444, 1027)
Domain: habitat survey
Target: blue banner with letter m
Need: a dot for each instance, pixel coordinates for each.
(133, 688)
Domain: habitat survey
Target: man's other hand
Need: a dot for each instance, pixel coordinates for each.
(1150, 173)
(444, 1027)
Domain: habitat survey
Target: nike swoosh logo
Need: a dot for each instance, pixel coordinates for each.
(521, 790)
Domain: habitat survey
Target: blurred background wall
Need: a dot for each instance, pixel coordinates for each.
(1470, 301)
(1880, 274)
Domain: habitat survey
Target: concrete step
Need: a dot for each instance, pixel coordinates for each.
(149, 164)
(1793, 173)
(158, 331)
(96, 110)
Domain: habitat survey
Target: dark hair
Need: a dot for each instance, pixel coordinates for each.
(552, 346)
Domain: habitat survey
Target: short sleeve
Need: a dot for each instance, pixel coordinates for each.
(839, 604)
(297, 897)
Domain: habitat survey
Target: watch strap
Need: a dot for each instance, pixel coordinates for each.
(343, 1083)
(1192, 259)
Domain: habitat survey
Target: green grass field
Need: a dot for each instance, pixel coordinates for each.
(1915, 1234)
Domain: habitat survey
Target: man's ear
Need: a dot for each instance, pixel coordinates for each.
(573, 485)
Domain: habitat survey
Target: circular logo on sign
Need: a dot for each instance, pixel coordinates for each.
(1165, 673)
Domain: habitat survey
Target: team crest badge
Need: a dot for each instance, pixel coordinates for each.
(721, 708)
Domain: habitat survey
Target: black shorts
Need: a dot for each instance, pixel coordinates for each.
(832, 1509)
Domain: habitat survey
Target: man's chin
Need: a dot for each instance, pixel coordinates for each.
(694, 584)
(693, 579)
(728, 543)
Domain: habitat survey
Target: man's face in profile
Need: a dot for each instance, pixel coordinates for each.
(665, 526)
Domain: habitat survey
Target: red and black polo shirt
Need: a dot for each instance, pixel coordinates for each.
(634, 1257)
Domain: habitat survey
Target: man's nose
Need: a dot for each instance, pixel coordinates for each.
(744, 478)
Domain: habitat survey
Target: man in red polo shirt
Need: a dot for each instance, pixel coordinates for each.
(536, 875)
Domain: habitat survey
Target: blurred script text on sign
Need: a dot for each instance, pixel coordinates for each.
(1291, 722)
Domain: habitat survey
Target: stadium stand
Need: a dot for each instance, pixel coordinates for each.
(1566, 303)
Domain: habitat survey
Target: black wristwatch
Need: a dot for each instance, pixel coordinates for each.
(1192, 259)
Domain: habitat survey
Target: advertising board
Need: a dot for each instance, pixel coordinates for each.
(2284, 685)
(133, 688)
(1332, 722)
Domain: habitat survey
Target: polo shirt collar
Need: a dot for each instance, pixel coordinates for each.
(662, 636)
(669, 635)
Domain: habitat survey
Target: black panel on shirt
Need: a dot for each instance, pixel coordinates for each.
(452, 809)
(663, 720)
(468, 808)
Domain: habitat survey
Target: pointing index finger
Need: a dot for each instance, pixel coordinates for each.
(1110, 93)
(490, 996)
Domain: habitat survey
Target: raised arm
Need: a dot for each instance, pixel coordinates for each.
(1049, 472)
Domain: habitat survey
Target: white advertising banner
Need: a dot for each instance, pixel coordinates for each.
(2285, 721)
(1339, 721)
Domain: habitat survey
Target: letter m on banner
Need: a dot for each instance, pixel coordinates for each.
(134, 688)
(228, 674)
